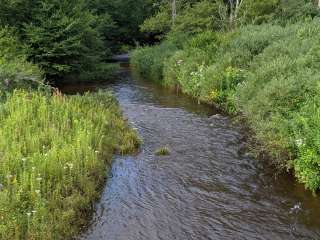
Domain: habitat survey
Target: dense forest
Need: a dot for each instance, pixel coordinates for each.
(256, 60)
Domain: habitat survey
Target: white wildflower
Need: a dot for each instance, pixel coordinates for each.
(299, 142)
(70, 165)
(180, 61)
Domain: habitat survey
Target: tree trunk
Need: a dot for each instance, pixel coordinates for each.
(174, 11)
(319, 3)
(235, 6)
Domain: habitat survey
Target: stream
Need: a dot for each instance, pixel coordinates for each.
(209, 187)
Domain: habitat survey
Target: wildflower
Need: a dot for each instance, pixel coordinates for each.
(96, 151)
(39, 179)
(299, 142)
(70, 165)
(9, 176)
(37, 191)
(34, 211)
(23, 159)
(28, 214)
(46, 154)
(33, 168)
(180, 61)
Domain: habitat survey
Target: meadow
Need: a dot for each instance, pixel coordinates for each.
(54, 155)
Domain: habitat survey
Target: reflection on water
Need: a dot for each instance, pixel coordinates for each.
(207, 188)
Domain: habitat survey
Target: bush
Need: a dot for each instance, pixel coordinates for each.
(210, 20)
(54, 152)
(149, 61)
(279, 83)
(15, 71)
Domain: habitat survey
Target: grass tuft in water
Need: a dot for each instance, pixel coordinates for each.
(163, 151)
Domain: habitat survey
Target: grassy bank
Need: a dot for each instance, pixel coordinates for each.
(53, 156)
(268, 73)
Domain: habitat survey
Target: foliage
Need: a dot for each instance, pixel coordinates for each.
(73, 39)
(295, 10)
(158, 23)
(196, 16)
(210, 18)
(15, 71)
(54, 151)
(258, 11)
(62, 40)
(193, 17)
(149, 61)
(127, 15)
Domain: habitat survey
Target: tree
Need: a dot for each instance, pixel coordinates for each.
(234, 8)
(62, 39)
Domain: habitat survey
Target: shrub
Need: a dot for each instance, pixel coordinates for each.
(149, 61)
(210, 20)
(15, 71)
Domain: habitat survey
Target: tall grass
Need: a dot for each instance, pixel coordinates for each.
(267, 73)
(53, 157)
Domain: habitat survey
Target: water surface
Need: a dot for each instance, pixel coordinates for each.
(207, 188)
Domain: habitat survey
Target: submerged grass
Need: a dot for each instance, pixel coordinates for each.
(53, 156)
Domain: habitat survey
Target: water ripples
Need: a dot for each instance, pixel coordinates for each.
(207, 188)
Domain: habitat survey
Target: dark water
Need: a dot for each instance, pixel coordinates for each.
(208, 188)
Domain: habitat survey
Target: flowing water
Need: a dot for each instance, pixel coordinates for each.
(207, 188)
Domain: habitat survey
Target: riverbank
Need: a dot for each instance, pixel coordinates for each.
(206, 184)
(268, 74)
(54, 155)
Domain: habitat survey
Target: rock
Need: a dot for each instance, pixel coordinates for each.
(216, 116)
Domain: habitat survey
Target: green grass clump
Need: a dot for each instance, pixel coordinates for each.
(269, 74)
(53, 156)
(163, 151)
(149, 61)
